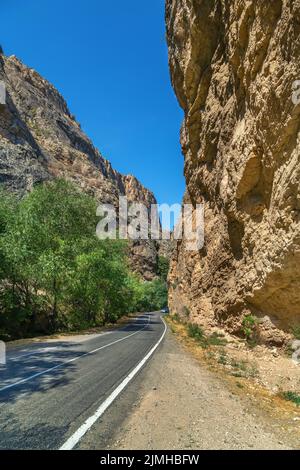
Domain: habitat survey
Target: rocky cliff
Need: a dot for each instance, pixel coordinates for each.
(40, 139)
(233, 64)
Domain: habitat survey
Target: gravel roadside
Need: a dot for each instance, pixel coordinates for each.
(183, 405)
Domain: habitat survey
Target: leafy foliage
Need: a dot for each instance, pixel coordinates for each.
(163, 268)
(196, 332)
(250, 329)
(55, 274)
(292, 396)
(150, 296)
(296, 331)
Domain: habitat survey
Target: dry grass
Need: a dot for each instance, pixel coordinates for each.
(218, 360)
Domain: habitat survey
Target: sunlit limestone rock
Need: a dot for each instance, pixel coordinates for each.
(233, 66)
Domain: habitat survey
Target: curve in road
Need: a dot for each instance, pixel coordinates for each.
(51, 396)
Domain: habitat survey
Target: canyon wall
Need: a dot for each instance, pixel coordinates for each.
(40, 139)
(233, 65)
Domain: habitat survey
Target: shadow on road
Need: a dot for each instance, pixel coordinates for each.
(54, 356)
(38, 436)
(47, 365)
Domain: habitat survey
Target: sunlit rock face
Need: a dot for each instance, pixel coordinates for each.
(233, 65)
(40, 139)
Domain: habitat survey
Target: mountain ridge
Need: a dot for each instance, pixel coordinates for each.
(41, 140)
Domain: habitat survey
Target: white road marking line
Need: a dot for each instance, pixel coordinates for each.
(77, 436)
(34, 376)
(46, 349)
(33, 353)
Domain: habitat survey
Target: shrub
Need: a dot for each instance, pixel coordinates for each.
(176, 318)
(296, 331)
(292, 396)
(215, 339)
(195, 331)
(249, 326)
(186, 312)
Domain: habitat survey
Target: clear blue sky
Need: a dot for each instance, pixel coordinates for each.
(109, 60)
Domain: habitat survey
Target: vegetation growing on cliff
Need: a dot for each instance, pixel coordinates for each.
(55, 274)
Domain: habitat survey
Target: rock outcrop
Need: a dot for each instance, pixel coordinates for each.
(233, 65)
(40, 139)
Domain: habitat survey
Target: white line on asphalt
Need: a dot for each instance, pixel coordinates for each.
(15, 384)
(77, 436)
(34, 353)
(46, 349)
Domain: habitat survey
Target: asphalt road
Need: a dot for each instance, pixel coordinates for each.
(52, 394)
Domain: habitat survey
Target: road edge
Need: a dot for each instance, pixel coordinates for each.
(86, 426)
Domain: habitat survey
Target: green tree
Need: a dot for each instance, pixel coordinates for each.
(153, 295)
(57, 274)
(41, 244)
(163, 267)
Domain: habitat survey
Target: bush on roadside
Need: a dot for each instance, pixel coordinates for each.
(292, 396)
(296, 331)
(196, 332)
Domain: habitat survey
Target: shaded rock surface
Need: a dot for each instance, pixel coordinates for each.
(233, 65)
(40, 139)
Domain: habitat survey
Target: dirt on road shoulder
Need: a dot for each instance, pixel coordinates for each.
(185, 405)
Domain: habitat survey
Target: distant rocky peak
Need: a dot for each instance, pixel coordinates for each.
(40, 139)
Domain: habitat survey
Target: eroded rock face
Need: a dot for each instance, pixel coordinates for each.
(40, 140)
(233, 64)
